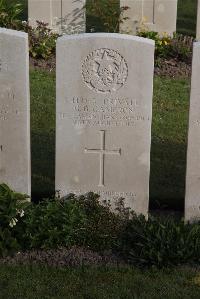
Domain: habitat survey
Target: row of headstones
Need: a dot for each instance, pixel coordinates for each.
(69, 16)
(103, 112)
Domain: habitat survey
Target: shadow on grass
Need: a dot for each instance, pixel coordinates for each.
(167, 178)
(186, 17)
(43, 165)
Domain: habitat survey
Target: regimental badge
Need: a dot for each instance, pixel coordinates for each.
(105, 70)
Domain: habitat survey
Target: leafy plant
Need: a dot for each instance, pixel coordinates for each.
(159, 243)
(178, 46)
(103, 226)
(181, 47)
(9, 14)
(87, 222)
(81, 221)
(104, 15)
(12, 207)
(42, 40)
(161, 43)
(53, 223)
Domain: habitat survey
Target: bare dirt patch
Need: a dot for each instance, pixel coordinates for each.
(62, 257)
(172, 68)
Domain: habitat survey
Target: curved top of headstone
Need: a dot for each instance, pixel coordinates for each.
(196, 44)
(107, 35)
(13, 32)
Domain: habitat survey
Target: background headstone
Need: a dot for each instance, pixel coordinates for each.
(63, 16)
(48, 11)
(154, 15)
(192, 201)
(73, 16)
(104, 108)
(14, 111)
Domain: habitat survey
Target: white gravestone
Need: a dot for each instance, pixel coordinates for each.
(104, 110)
(154, 15)
(192, 200)
(14, 111)
(63, 16)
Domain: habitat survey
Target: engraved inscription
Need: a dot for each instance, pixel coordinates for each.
(3, 66)
(8, 104)
(105, 112)
(106, 193)
(102, 152)
(104, 71)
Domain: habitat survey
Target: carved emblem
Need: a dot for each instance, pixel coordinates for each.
(104, 70)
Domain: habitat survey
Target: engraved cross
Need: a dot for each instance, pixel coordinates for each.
(102, 152)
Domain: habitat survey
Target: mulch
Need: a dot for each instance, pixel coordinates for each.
(172, 68)
(63, 257)
(43, 65)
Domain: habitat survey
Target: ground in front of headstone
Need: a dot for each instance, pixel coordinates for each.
(167, 67)
(35, 281)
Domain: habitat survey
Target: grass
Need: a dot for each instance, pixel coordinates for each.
(169, 141)
(186, 21)
(169, 138)
(42, 133)
(37, 282)
(24, 14)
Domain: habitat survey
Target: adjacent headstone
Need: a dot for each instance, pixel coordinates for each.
(192, 200)
(153, 15)
(63, 16)
(73, 19)
(104, 110)
(47, 11)
(14, 111)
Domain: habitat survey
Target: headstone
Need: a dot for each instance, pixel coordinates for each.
(198, 21)
(14, 111)
(63, 16)
(104, 108)
(73, 16)
(47, 11)
(192, 200)
(153, 15)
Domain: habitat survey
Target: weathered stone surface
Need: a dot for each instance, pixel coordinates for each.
(153, 15)
(48, 11)
(104, 108)
(73, 16)
(63, 16)
(192, 200)
(14, 111)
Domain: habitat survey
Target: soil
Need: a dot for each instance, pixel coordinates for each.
(63, 257)
(43, 65)
(172, 68)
